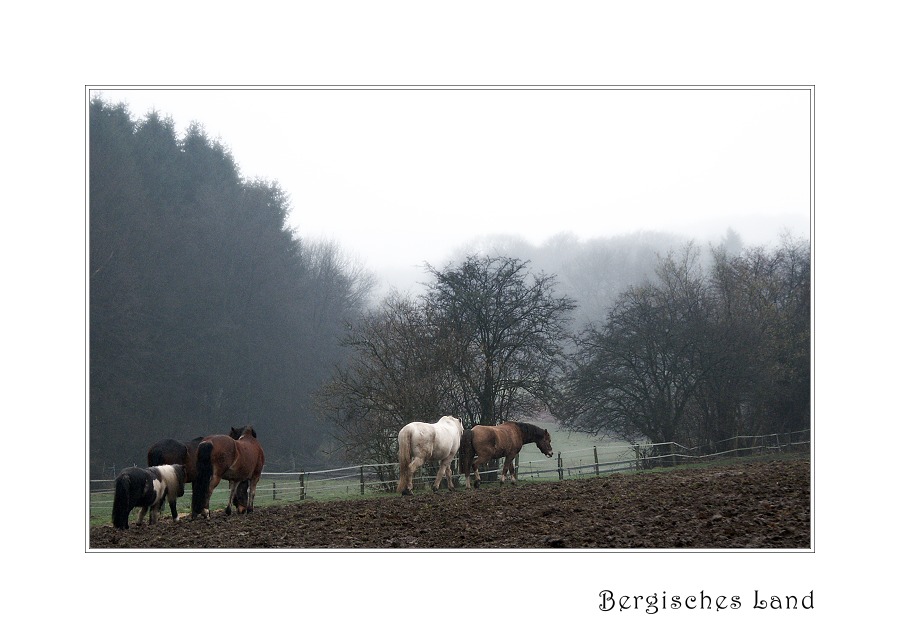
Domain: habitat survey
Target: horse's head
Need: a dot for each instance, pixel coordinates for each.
(543, 444)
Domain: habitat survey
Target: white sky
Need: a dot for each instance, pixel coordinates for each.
(400, 177)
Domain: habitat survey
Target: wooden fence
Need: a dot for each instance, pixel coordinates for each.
(365, 480)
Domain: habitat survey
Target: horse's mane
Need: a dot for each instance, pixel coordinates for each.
(530, 432)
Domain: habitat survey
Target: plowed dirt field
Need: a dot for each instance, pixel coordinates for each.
(762, 504)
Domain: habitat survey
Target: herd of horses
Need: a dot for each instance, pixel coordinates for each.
(204, 461)
(238, 458)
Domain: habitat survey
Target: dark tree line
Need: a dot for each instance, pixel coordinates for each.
(700, 354)
(206, 311)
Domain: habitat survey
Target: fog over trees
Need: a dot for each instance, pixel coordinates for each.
(208, 311)
(699, 354)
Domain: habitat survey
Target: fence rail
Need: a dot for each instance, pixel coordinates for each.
(362, 480)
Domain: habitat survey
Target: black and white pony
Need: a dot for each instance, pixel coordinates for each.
(147, 489)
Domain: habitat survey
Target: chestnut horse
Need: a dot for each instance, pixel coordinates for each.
(419, 442)
(485, 442)
(170, 452)
(234, 458)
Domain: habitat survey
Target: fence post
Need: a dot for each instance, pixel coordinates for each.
(672, 454)
(559, 464)
(637, 458)
(596, 462)
(362, 481)
(274, 495)
(302, 486)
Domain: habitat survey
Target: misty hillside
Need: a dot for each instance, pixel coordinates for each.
(208, 311)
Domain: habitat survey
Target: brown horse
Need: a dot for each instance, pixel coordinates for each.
(235, 459)
(485, 442)
(172, 452)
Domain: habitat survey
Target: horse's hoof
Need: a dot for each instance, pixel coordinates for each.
(406, 492)
(477, 484)
(434, 489)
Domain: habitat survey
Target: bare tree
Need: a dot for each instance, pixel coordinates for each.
(506, 328)
(396, 373)
(485, 341)
(699, 358)
(637, 375)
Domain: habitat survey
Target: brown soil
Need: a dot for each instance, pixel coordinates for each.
(757, 505)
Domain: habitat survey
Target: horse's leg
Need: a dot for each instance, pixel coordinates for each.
(213, 484)
(140, 518)
(507, 469)
(443, 470)
(251, 494)
(232, 489)
(414, 465)
(154, 512)
(475, 465)
(172, 500)
(450, 475)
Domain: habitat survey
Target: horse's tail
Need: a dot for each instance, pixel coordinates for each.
(203, 478)
(156, 455)
(404, 439)
(466, 452)
(121, 505)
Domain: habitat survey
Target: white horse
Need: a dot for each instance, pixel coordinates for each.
(420, 442)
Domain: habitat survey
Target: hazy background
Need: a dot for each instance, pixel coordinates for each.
(399, 177)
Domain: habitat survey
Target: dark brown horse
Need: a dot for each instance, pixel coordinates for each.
(172, 452)
(233, 458)
(485, 442)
